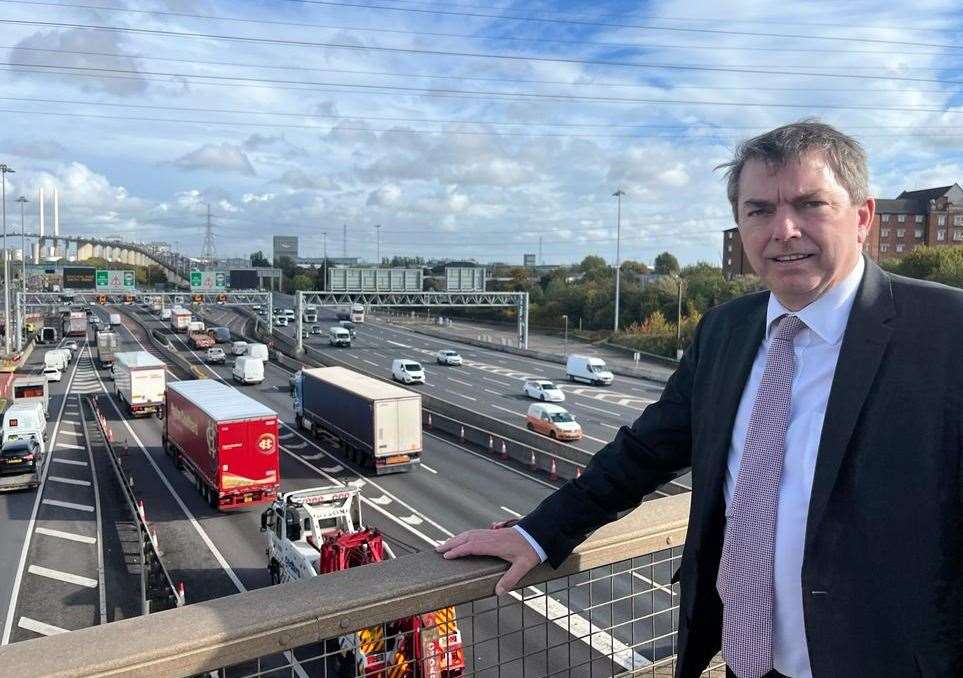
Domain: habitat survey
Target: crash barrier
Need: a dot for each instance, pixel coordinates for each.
(610, 609)
(157, 588)
(640, 372)
(507, 440)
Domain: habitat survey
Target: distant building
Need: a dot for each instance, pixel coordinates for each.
(285, 246)
(931, 216)
(528, 260)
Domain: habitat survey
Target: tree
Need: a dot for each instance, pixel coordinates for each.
(592, 264)
(301, 282)
(258, 259)
(666, 264)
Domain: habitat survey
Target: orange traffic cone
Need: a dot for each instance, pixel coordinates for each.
(531, 462)
(462, 435)
(491, 444)
(181, 593)
(504, 454)
(429, 420)
(553, 472)
(578, 472)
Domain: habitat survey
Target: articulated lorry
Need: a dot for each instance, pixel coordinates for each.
(228, 441)
(106, 346)
(32, 388)
(378, 424)
(198, 336)
(180, 319)
(139, 380)
(75, 324)
(319, 530)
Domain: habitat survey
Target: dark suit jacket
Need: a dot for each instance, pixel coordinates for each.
(881, 579)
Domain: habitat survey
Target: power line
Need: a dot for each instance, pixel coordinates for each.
(460, 36)
(473, 55)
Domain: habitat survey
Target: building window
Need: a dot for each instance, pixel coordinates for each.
(941, 220)
(900, 232)
(885, 218)
(729, 261)
(958, 220)
(729, 235)
(884, 233)
(884, 248)
(901, 218)
(899, 248)
(958, 234)
(941, 234)
(730, 247)
(919, 233)
(919, 218)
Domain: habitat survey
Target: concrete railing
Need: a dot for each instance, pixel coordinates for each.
(264, 623)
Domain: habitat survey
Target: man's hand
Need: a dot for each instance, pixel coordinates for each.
(506, 544)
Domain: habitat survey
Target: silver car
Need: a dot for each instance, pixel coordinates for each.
(448, 357)
(544, 390)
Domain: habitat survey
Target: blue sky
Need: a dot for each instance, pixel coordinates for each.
(464, 128)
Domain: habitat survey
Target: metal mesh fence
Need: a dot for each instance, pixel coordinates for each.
(620, 619)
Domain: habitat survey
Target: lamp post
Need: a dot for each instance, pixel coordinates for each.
(23, 272)
(324, 260)
(618, 246)
(565, 344)
(678, 321)
(4, 171)
(378, 231)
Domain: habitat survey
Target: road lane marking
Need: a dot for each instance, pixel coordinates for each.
(503, 383)
(395, 343)
(462, 396)
(69, 446)
(459, 381)
(505, 409)
(40, 627)
(488, 390)
(597, 409)
(412, 519)
(65, 535)
(69, 461)
(337, 468)
(383, 500)
(510, 512)
(69, 481)
(429, 469)
(598, 440)
(62, 576)
(72, 433)
(369, 362)
(68, 504)
(602, 423)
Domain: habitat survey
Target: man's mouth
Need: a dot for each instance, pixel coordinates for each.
(787, 258)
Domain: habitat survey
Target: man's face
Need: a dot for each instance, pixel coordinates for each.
(798, 228)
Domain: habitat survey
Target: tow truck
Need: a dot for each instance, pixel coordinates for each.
(319, 530)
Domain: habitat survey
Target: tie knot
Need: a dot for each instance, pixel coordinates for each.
(789, 326)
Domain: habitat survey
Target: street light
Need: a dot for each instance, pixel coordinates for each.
(678, 321)
(378, 231)
(4, 170)
(565, 349)
(324, 260)
(618, 246)
(23, 271)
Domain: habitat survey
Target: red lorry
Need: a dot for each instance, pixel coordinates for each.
(228, 441)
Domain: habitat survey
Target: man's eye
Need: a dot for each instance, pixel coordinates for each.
(815, 203)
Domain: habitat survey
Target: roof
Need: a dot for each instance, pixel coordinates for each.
(900, 206)
(139, 359)
(926, 194)
(219, 401)
(359, 384)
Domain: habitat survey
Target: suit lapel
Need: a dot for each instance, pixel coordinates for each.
(860, 355)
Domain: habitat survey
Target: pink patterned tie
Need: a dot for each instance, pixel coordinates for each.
(745, 581)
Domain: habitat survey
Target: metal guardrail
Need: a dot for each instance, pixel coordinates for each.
(157, 588)
(609, 609)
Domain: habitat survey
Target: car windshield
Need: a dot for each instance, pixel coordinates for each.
(16, 447)
(449, 353)
(547, 386)
(412, 367)
(561, 417)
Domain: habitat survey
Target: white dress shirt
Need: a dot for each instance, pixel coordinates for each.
(817, 349)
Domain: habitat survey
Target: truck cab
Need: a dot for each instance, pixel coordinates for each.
(297, 523)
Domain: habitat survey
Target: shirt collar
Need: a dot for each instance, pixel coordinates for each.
(826, 316)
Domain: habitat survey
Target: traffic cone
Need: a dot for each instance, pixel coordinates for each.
(578, 472)
(140, 509)
(504, 454)
(531, 462)
(491, 444)
(553, 472)
(429, 420)
(181, 593)
(462, 434)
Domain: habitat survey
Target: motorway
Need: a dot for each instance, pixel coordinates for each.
(216, 554)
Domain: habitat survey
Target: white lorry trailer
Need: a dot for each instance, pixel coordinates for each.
(140, 381)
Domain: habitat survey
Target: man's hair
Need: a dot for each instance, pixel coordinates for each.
(790, 143)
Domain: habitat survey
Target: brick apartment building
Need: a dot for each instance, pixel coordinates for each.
(932, 216)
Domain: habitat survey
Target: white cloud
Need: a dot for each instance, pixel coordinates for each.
(223, 157)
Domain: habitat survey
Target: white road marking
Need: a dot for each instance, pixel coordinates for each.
(65, 535)
(510, 512)
(337, 468)
(459, 381)
(383, 500)
(602, 423)
(69, 481)
(395, 343)
(503, 383)
(72, 433)
(40, 627)
(598, 440)
(62, 576)
(369, 362)
(412, 519)
(505, 409)
(69, 446)
(69, 461)
(462, 396)
(68, 504)
(357, 482)
(429, 469)
(488, 390)
(597, 409)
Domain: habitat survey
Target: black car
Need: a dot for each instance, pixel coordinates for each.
(20, 456)
(348, 325)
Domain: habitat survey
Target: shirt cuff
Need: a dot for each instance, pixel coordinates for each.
(542, 557)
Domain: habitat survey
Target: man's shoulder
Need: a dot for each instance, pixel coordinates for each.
(914, 297)
(736, 310)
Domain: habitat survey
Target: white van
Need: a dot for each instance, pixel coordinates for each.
(248, 370)
(165, 314)
(67, 353)
(23, 420)
(407, 371)
(586, 368)
(338, 336)
(239, 348)
(259, 351)
(55, 358)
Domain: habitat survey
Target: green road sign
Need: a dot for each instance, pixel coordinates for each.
(101, 279)
(208, 281)
(120, 281)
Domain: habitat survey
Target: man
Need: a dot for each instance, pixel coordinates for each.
(822, 423)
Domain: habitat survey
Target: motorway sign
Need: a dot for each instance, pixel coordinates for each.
(207, 281)
(115, 281)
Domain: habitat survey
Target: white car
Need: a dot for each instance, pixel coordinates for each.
(407, 371)
(52, 374)
(72, 345)
(448, 357)
(281, 321)
(215, 354)
(540, 389)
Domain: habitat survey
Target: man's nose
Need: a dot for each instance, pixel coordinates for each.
(786, 224)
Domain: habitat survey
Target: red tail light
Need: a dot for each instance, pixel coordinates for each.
(27, 457)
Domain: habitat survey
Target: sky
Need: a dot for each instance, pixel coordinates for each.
(465, 128)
